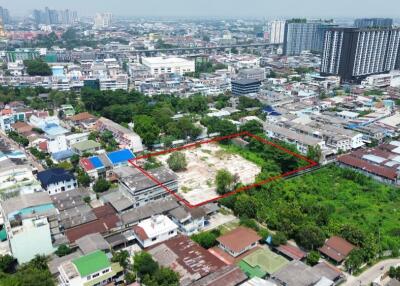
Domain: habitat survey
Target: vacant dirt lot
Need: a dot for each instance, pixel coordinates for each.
(196, 183)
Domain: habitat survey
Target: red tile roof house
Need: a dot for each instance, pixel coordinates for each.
(292, 252)
(336, 249)
(238, 241)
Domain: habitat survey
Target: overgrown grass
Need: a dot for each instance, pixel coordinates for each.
(246, 154)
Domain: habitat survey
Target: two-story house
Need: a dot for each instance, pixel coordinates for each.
(57, 180)
(154, 230)
(92, 269)
(188, 220)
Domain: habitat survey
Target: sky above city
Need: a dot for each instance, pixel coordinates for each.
(216, 8)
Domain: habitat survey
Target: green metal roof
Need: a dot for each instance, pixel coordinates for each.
(86, 145)
(91, 263)
(3, 234)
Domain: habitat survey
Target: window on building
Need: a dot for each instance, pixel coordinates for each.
(154, 239)
(95, 275)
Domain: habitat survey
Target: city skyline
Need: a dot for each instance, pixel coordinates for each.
(220, 8)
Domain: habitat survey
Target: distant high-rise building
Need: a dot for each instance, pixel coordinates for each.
(277, 32)
(373, 23)
(68, 17)
(301, 35)
(5, 15)
(102, 20)
(54, 17)
(2, 32)
(354, 53)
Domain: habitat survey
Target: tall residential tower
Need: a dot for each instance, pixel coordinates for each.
(354, 53)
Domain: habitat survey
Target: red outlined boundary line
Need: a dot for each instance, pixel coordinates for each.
(217, 139)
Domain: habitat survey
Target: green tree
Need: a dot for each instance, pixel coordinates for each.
(224, 181)
(7, 263)
(74, 160)
(83, 179)
(247, 102)
(63, 250)
(354, 260)
(177, 161)
(249, 223)
(143, 264)
(167, 141)
(394, 272)
(313, 258)
(162, 277)
(37, 67)
(245, 206)
(38, 262)
(310, 237)
(253, 126)
(206, 239)
(147, 128)
(121, 257)
(101, 186)
(314, 153)
(279, 238)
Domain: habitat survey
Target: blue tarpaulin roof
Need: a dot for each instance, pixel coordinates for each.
(120, 156)
(96, 162)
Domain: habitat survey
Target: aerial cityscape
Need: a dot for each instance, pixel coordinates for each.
(208, 143)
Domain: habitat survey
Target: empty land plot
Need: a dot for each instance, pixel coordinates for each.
(197, 182)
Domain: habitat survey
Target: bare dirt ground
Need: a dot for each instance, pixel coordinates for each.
(197, 182)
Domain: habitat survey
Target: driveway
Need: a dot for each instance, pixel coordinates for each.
(219, 219)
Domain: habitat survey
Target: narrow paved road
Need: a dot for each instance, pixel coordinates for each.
(372, 273)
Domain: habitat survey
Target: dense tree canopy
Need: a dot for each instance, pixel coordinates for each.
(34, 273)
(101, 185)
(206, 239)
(151, 274)
(37, 67)
(147, 129)
(253, 126)
(63, 250)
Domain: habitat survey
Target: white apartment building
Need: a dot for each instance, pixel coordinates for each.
(383, 80)
(30, 239)
(168, 65)
(114, 83)
(102, 20)
(277, 31)
(155, 230)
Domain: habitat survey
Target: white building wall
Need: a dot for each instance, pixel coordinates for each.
(57, 144)
(159, 238)
(277, 31)
(58, 188)
(159, 65)
(32, 239)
